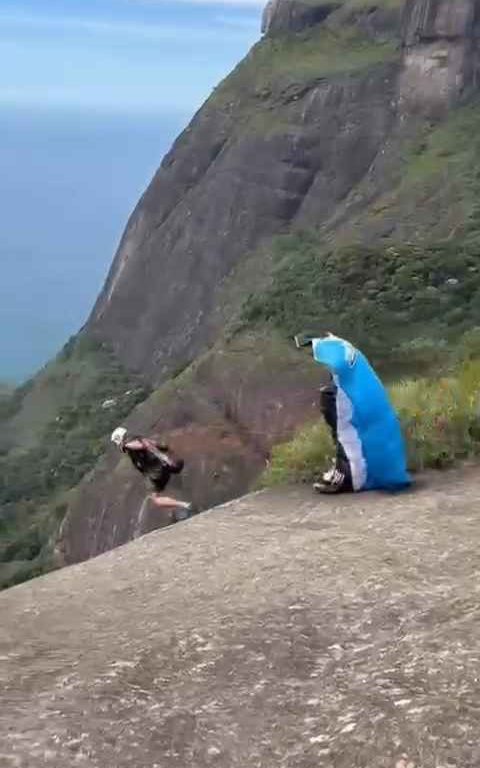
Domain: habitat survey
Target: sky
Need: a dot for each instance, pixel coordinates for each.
(123, 55)
(92, 94)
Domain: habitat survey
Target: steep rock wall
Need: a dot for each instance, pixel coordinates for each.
(206, 209)
(292, 16)
(441, 59)
(310, 147)
(228, 183)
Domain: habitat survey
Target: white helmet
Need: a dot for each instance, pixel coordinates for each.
(118, 435)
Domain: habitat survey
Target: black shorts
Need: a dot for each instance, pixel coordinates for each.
(159, 483)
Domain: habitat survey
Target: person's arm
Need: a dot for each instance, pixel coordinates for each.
(135, 444)
(306, 339)
(145, 443)
(138, 443)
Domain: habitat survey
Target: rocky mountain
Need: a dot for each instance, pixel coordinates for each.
(330, 180)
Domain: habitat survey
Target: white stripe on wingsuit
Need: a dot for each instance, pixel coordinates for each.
(350, 440)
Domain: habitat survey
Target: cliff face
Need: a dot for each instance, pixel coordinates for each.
(441, 49)
(226, 186)
(281, 142)
(377, 19)
(306, 132)
(321, 126)
(293, 16)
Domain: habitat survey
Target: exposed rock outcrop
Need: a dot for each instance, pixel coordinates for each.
(429, 20)
(278, 631)
(217, 195)
(441, 61)
(294, 15)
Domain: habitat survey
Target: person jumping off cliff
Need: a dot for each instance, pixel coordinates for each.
(157, 462)
(369, 447)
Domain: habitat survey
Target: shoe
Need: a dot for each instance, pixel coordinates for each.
(333, 484)
(183, 513)
(329, 475)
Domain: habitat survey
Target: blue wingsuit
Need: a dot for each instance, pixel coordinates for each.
(367, 427)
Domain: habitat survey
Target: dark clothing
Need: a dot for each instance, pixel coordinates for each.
(328, 407)
(153, 466)
(160, 483)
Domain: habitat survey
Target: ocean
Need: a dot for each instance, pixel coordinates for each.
(68, 182)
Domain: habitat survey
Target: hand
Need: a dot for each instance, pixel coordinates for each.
(303, 340)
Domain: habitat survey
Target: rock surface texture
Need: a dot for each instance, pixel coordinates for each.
(279, 630)
(282, 16)
(441, 52)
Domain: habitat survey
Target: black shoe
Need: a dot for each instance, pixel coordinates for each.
(332, 482)
(183, 513)
(328, 477)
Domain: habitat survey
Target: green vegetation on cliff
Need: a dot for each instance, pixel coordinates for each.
(316, 52)
(400, 301)
(440, 419)
(437, 192)
(388, 299)
(95, 393)
(277, 68)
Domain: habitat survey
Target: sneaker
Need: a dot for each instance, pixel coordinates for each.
(334, 483)
(184, 512)
(329, 475)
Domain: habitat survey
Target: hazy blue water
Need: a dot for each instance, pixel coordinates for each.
(68, 182)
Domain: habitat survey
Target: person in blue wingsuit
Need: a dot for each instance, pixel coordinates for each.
(370, 451)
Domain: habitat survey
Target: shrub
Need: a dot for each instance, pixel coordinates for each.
(440, 420)
(301, 459)
(26, 547)
(400, 304)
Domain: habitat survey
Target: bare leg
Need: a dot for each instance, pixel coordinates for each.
(183, 510)
(167, 501)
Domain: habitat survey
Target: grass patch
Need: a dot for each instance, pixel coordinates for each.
(449, 157)
(300, 460)
(438, 192)
(440, 421)
(280, 64)
(440, 418)
(385, 299)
